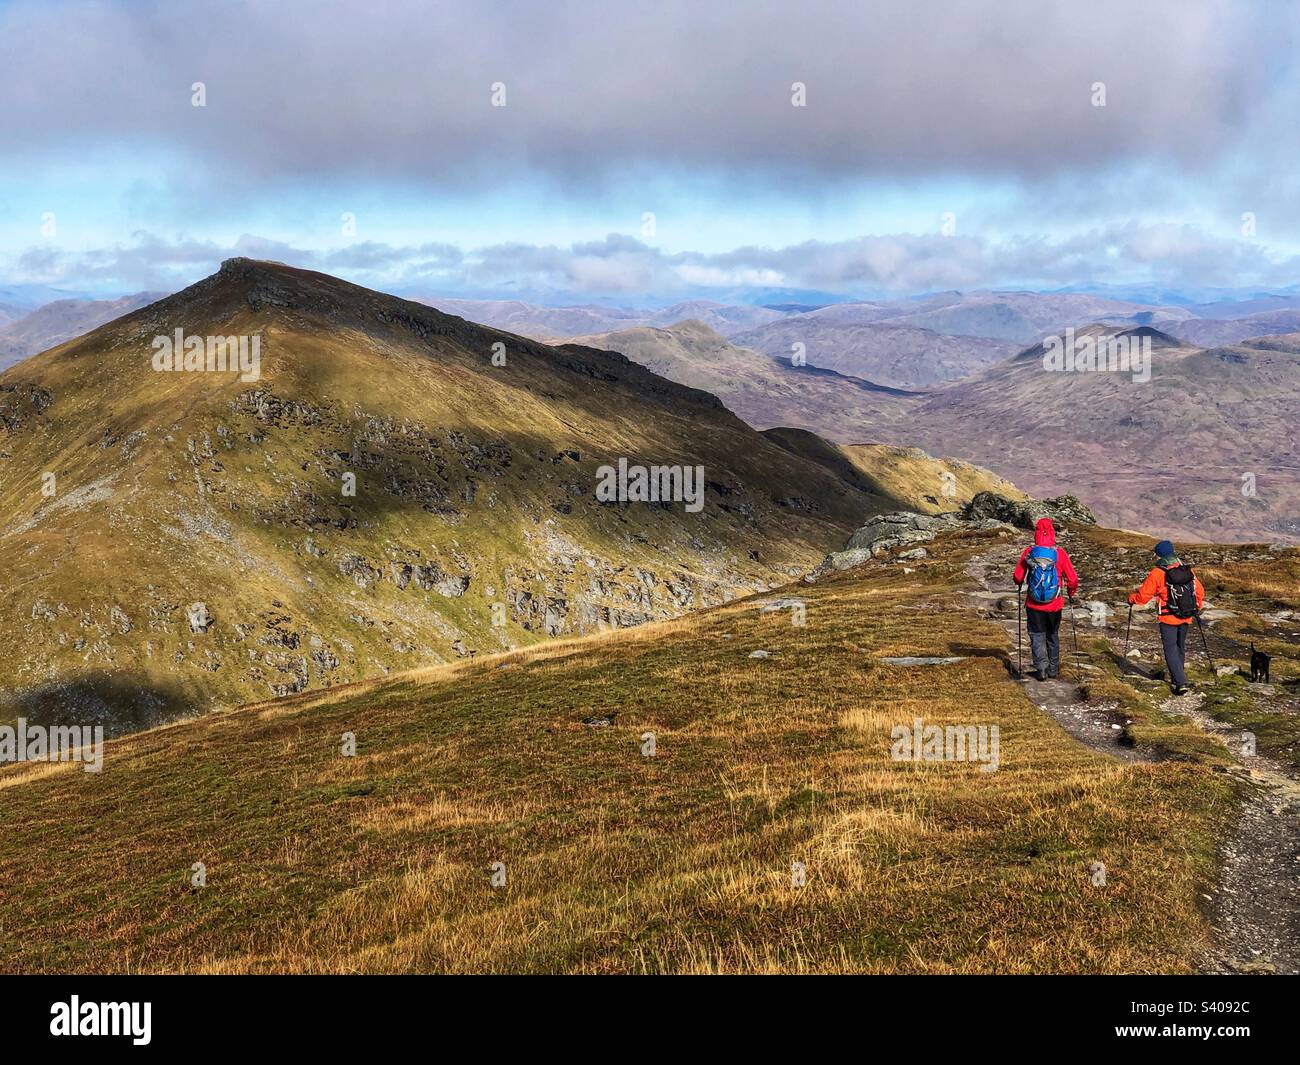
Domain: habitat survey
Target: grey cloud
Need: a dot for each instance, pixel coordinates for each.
(601, 91)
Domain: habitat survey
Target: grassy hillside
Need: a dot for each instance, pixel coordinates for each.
(618, 862)
(474, 526)
(897, 478)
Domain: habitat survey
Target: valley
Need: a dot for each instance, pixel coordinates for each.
(1200, 447)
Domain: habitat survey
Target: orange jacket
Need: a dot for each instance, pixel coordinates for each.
(1154, 587)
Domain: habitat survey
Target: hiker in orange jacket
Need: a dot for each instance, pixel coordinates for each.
(1046, 566)
(1180, 595)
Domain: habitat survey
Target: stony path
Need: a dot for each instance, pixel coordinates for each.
(1254, 909)
(1099, 725)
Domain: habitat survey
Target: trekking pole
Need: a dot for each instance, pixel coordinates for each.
(1128, 629)
(1019, 656)
(1074, 632)
(1205, 643)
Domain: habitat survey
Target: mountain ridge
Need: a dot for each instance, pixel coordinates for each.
(198, 546)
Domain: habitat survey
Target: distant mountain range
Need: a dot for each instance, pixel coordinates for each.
(765, 390)
(905, 344)
(1206, 449)
(902, 373)
(1169, 455)
(1010, 317)
(18, 301)
(558, 323)
(887, 352)
(61, 320)
(1207, 332)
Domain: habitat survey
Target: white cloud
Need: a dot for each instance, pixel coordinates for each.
(622, 266)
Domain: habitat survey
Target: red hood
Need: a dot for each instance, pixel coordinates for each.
(1044, 534)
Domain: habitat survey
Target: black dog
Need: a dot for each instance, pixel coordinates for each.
(1259, 662)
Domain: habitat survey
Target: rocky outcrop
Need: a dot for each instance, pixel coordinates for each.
(1024, 513)
(199, 618)
(885, 534)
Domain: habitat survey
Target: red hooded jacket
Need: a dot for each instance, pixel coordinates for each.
(1045, 536)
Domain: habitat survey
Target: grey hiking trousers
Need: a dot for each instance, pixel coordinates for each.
(1174, 640)
(1045, 640)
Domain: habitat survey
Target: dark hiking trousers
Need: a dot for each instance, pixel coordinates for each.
(1174, 639)
(1045, 641)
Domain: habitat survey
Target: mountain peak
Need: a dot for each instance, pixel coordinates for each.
(266, 283)
(382, 493)
(243, 266)
(271, 272)
(1102, 331)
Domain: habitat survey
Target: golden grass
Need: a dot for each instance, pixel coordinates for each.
(617, 862)
(1275, 584)
(910, 475)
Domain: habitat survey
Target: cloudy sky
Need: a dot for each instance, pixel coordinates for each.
(653, 151)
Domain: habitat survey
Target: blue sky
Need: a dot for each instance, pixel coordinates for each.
(938, 145)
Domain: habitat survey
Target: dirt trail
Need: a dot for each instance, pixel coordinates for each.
(1254, 909)
(1099, 725)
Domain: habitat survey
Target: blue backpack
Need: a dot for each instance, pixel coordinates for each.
(1044, 581)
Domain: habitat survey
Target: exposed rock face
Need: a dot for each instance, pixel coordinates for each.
(200, 620)
(1024, 514)
(838, 560)
(886, 533)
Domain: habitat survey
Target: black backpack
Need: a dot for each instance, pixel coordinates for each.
(1180, 587)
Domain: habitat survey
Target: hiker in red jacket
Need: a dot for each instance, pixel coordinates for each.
(1045, 565)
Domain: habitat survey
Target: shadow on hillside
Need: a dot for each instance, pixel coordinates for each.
(1006, 658)
(446, 476)
(807, 445)
(117, 704)
(440, 467)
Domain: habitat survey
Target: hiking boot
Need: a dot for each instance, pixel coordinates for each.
(1182, 691)
(1054, 671)
(1038, 675)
